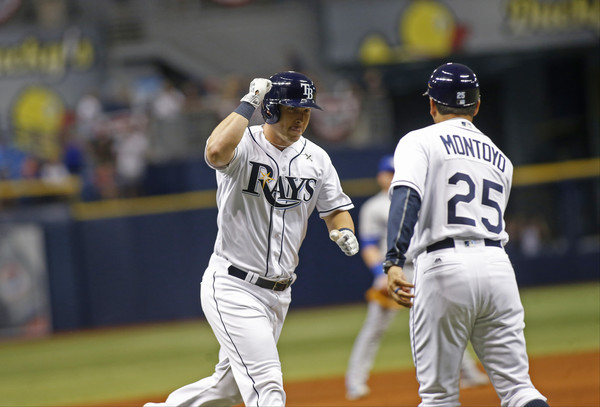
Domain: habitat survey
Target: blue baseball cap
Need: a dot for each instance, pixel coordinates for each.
(386, 164)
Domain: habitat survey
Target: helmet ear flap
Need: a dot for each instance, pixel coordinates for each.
(270, 112)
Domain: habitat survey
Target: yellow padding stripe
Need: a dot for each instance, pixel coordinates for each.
(359, 187)
(144, 205)
(554, 172)
(69, 187)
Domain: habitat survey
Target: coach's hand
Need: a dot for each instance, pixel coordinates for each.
(346, 240)
(259, 87)
(399, 287)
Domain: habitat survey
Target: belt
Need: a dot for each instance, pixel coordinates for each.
(260, 281)
(448, 243)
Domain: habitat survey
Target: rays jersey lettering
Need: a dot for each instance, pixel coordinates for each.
(281, 193)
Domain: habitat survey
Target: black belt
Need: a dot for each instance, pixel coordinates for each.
(448, 243)
(261, 282)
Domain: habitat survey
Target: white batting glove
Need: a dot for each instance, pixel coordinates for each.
(259, 87)
(347, 242)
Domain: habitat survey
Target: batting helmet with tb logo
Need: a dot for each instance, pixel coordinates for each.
(289, 89)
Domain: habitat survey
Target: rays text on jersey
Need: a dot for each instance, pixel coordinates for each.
(283, 192)
(470, 147)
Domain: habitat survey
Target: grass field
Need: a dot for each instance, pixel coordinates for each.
(126, 363)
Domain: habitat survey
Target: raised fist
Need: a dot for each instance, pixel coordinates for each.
(259, 87)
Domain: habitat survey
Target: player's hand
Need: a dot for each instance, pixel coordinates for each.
(259, 87)
(399, 288)
(346, 240)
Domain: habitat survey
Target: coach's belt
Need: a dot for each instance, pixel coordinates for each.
(448, 243)
(260, 281)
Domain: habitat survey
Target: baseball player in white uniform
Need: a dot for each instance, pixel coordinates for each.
(372, 233)
(269, 180)
(451, 188)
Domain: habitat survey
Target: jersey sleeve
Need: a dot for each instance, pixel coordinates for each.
(331, 197)
(410, 163)
(237, 154)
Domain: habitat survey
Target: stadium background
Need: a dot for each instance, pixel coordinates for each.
(80, 252)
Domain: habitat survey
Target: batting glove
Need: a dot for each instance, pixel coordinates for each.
(347, 242)
(259, 87)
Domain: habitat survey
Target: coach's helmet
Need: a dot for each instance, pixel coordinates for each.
(453, 85)
(289, 89)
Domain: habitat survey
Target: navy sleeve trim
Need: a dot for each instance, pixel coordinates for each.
(404, 213)
(344, 207)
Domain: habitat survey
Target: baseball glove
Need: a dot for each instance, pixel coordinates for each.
(382, 297)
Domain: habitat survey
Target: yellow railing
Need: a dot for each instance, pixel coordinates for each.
(554, 172)
(148, 205)
(359, 187)
(69, 188)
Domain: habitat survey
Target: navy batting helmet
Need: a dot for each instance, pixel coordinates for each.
(453, 85)
(289, 89)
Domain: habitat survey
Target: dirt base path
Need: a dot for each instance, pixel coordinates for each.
(569, 381)
(572, 381)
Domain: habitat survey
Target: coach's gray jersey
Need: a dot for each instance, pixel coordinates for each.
(270, 194)
(467, 173)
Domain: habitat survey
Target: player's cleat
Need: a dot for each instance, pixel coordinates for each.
(358, 392)
(473, 378)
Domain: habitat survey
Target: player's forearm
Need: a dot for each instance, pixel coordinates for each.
(339, 220)
(222, 142)
(225, 138)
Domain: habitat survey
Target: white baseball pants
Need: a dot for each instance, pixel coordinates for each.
(462, 293)
(247, 321)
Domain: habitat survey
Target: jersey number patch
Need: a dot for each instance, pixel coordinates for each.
(454, 219)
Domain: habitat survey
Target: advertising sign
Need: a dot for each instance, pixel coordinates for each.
(24, 296)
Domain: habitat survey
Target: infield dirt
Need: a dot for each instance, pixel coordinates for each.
(567, 380)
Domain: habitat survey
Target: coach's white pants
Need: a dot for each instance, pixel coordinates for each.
(247, 321)
(468, 293)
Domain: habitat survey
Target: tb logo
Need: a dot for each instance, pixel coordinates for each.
(308, 90)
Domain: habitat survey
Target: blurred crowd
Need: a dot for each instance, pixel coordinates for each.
(108, 138)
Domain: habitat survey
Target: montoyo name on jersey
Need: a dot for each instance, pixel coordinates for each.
(470, 147)
(285, 192)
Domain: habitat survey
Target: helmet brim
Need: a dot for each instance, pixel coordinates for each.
(300, 103)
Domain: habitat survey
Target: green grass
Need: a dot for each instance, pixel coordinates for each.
(562, 319)
(118, 364)
(325, 337)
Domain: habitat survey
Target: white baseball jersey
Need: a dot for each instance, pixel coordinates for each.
(373, 216)
(265, 197)
(453, 165)
(466, 290)
(373, 220)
